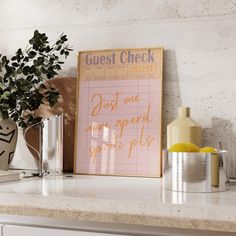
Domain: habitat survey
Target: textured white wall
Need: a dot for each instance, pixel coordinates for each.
(199, 37)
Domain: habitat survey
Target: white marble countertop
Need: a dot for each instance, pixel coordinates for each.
(140, 201)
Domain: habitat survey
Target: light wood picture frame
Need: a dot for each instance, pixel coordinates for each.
(119, 112)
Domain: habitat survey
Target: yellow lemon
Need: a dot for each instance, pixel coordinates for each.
(208, 149)
(179, 147)
(192, 147)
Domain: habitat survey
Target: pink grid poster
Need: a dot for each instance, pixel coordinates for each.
(119, 103)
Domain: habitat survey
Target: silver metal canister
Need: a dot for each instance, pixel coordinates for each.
(195, 171)
(52, 145)
(48, 144)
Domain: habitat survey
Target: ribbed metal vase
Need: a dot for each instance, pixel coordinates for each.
(195, 172)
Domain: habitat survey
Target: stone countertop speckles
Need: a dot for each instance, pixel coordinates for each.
(140, 201)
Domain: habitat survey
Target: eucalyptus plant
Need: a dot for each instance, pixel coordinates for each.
(25, 78)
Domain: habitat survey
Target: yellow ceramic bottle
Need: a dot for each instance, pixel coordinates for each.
(184, 129)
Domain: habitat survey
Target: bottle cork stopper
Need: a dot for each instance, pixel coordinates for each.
(184, 111)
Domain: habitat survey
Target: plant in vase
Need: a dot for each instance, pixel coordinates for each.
(25, 85)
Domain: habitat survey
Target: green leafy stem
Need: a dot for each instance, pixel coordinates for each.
(25, 78)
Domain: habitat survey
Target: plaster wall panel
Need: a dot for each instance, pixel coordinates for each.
(198, 36)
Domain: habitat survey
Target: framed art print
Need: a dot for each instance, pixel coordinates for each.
(118, 113)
